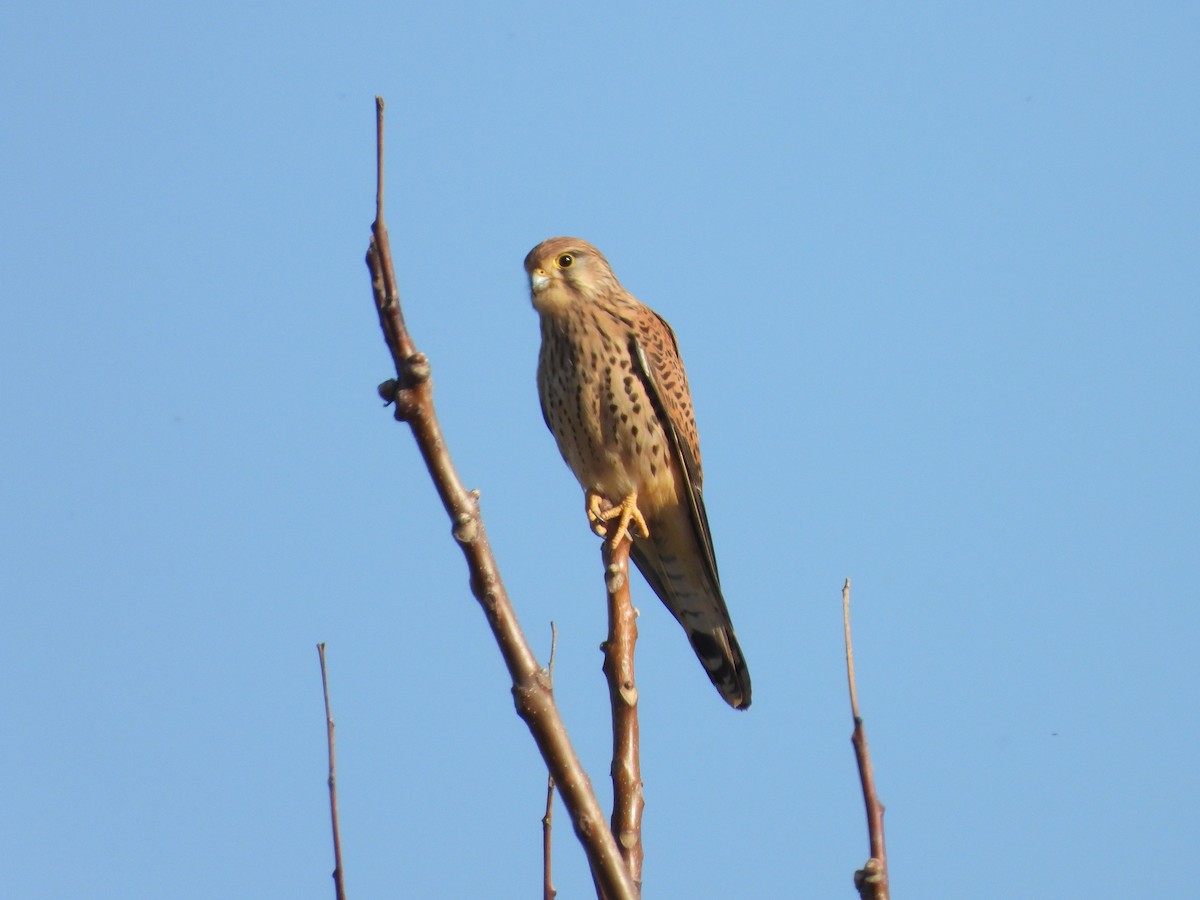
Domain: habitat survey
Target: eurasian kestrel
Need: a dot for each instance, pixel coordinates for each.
(615, 397)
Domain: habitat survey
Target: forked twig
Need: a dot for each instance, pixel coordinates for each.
(411, 392)
(628, 798)
(872, 879)
(338, 872)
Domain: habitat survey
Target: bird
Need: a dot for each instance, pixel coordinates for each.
(615, 396)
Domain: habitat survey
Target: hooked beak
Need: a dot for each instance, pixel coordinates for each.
(538, 281)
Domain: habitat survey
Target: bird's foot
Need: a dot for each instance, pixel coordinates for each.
(624, 514)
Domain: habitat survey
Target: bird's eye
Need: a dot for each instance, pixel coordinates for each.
(564, 261)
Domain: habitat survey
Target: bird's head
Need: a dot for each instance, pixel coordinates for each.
(566, 271)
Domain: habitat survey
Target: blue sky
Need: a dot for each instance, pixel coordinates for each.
(933, 268)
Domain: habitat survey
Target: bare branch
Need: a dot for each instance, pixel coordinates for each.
(412, 393)
(338, 877)
(872, 879)
(628, 799)
(548, 891)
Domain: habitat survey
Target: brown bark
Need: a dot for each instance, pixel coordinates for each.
(628, 800)
(412, 393)
(872, 879)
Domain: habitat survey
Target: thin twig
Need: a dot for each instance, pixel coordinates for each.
(872, 879)
(338, 877)
(412, 393)
(849, 651)
(548, 891)
(628, 799)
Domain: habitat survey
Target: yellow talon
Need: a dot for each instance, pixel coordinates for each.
(594, 513)
(625, 513)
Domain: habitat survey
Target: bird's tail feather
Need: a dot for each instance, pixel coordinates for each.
(722, 659)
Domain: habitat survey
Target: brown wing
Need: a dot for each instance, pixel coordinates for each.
(656, 354)
(690, 586)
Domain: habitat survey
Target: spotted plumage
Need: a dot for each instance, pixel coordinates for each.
(615, 396)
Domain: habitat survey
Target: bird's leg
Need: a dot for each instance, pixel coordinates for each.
(625, 513)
